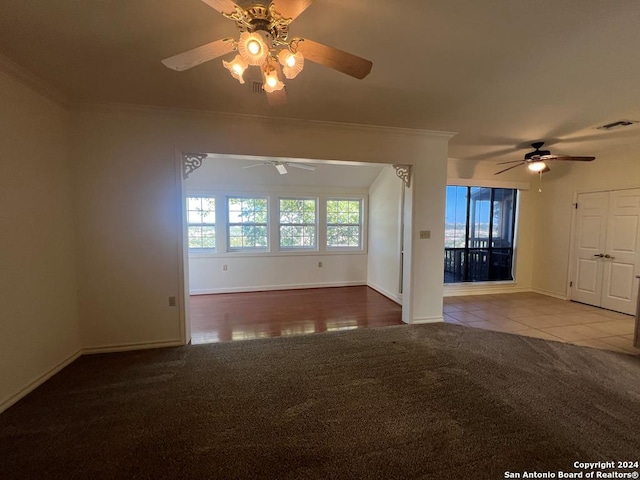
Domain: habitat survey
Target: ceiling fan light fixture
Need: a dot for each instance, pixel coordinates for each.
(292, 63)
(253, 48)
(236, 67)
(537, 166)
(272, 82)
(281, 167)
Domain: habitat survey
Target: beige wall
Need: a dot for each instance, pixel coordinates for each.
(128, 213)
(39, 328)
(383, 270)
(462, 172)
(615, 169)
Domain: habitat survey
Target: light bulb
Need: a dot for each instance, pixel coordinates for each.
(272, 81)
(253, 47)
(537, 166)
(236, 67)
(292, 63)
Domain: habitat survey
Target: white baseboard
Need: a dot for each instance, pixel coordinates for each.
(461, 290)
(125, 347)
(264, 288)
(39, 381)
(419, 320)
(391, 296)
(548, 293)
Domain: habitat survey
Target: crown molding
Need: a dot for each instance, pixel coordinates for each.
(32, 81)
(187, 112)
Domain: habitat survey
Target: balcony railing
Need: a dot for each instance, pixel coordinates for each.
(477, 264)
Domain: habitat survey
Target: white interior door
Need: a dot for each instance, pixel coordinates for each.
(589, 247)
(621, 260)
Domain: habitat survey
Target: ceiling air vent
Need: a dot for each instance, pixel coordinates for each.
(258, 87)
(618, 124)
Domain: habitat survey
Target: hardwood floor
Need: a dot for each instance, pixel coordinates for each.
(243, 316)
(239, 316)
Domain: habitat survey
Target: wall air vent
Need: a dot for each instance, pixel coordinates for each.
(618, 124)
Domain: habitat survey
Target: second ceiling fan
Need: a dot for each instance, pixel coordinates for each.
(536, 160)
(264, 42)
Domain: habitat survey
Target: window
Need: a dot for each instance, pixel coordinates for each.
(344, 223)
(201, 221)
(479, 233)
(297, 223)
(248, 218)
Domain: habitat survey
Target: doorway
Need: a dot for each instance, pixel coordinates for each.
(607, 250)
(214, 264)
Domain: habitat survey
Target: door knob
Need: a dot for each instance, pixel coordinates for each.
(599, 255)
(609, 256)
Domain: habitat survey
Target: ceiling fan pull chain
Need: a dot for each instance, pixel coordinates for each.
(540, 181)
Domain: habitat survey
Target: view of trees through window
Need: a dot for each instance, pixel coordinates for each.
(479, 233)
(201, 220)
(297, 223)
(343, 223)
(245, 223)
(248, 218)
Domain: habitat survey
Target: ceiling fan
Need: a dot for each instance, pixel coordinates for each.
(264, 42)
(536, 160)
(282, 166)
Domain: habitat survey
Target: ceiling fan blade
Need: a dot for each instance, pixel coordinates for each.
(333, 58)
(196, 56)
(257, 165)
(300, 165)
(223, 6)
(573, 159)
(506, 169)
(511, 161)
(291, 8)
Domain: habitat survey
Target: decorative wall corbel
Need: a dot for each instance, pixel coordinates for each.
(192, 161)
(404, 173)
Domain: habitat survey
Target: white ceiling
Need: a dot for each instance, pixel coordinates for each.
(501, 73)
(229, 172)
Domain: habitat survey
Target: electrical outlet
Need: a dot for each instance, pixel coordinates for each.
(224, 268)
(172, 301)
(425, 234)
(319, 264)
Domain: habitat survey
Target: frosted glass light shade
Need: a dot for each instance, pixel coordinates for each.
(253, 48)
(236, 67)
(292, 63)
(537, 166)
(271, 81)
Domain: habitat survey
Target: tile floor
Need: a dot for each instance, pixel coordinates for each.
(545, 317)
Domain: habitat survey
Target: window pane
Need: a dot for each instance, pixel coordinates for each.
(456, 217)
(297, 223)
(343, 211)
(248, 222)
(339, 236)
(343, 223)
(486, 253)
(201, 220)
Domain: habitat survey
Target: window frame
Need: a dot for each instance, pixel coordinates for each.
(213, 249)
(360, 224)
(229, 224)
(466, 250)
(280, 224)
